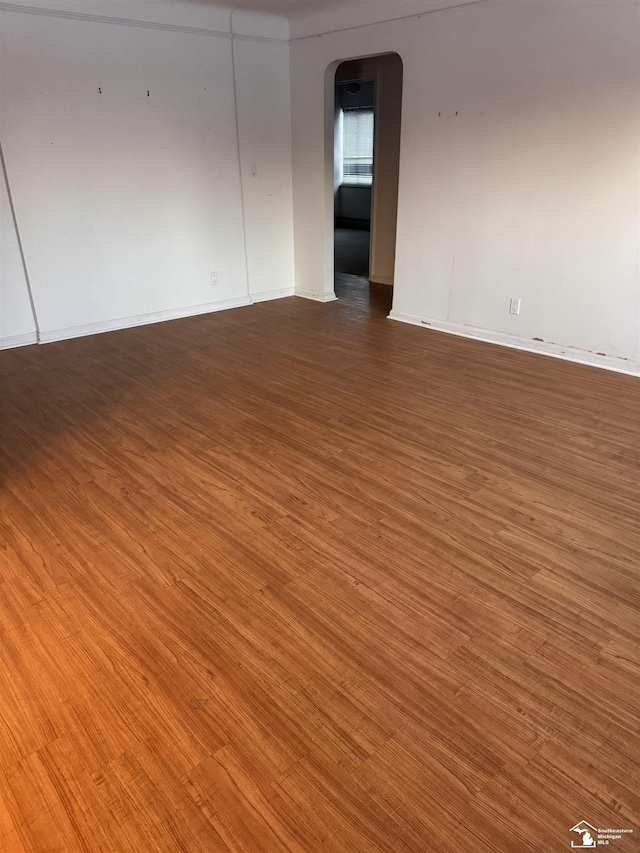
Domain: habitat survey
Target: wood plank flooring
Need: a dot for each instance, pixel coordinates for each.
(298, 578)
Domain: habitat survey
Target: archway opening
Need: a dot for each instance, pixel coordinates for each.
(367, 105)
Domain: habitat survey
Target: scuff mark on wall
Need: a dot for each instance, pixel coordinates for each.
(592, 351)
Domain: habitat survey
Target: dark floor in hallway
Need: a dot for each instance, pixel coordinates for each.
(351, 251)
(363, 295)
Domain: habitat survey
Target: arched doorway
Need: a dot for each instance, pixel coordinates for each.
(367, 104)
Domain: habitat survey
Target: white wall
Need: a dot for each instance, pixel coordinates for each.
(518, 171)
(264, 118)
(16, 319)
(126, 202)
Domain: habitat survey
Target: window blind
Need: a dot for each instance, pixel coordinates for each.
(357, 146)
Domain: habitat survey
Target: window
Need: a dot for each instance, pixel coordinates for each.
(357, 146)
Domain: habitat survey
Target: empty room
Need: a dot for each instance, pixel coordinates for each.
(319, 408)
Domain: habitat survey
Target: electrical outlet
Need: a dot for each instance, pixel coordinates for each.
(514, 306)
(214, 279)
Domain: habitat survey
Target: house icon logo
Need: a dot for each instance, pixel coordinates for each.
(587, 835)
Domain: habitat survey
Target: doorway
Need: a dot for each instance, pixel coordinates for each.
(367, 114)
(353, 167)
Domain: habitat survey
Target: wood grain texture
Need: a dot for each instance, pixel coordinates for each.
(297, 578)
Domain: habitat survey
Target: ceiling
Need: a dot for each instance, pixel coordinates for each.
(300, 8)
(290, 8)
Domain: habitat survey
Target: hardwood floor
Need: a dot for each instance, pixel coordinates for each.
(298, 578)
(358, 292)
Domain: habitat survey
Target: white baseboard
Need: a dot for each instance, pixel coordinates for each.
(381, 279)
(607, 362)
(140, 320)
(265, 295)
(11, 341)
(317, 297)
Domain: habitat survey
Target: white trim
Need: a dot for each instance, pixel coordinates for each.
(317, 297)
(265, 295)
(139, 320)
(130, 22)
(239, 155)
(11, 341)
(413, 15)
(202, 31)
(23, 260)
(503, 339)
(381, 279)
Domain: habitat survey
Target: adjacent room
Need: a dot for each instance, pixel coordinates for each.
(319, 406)
(366, 162)
(353, 166)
